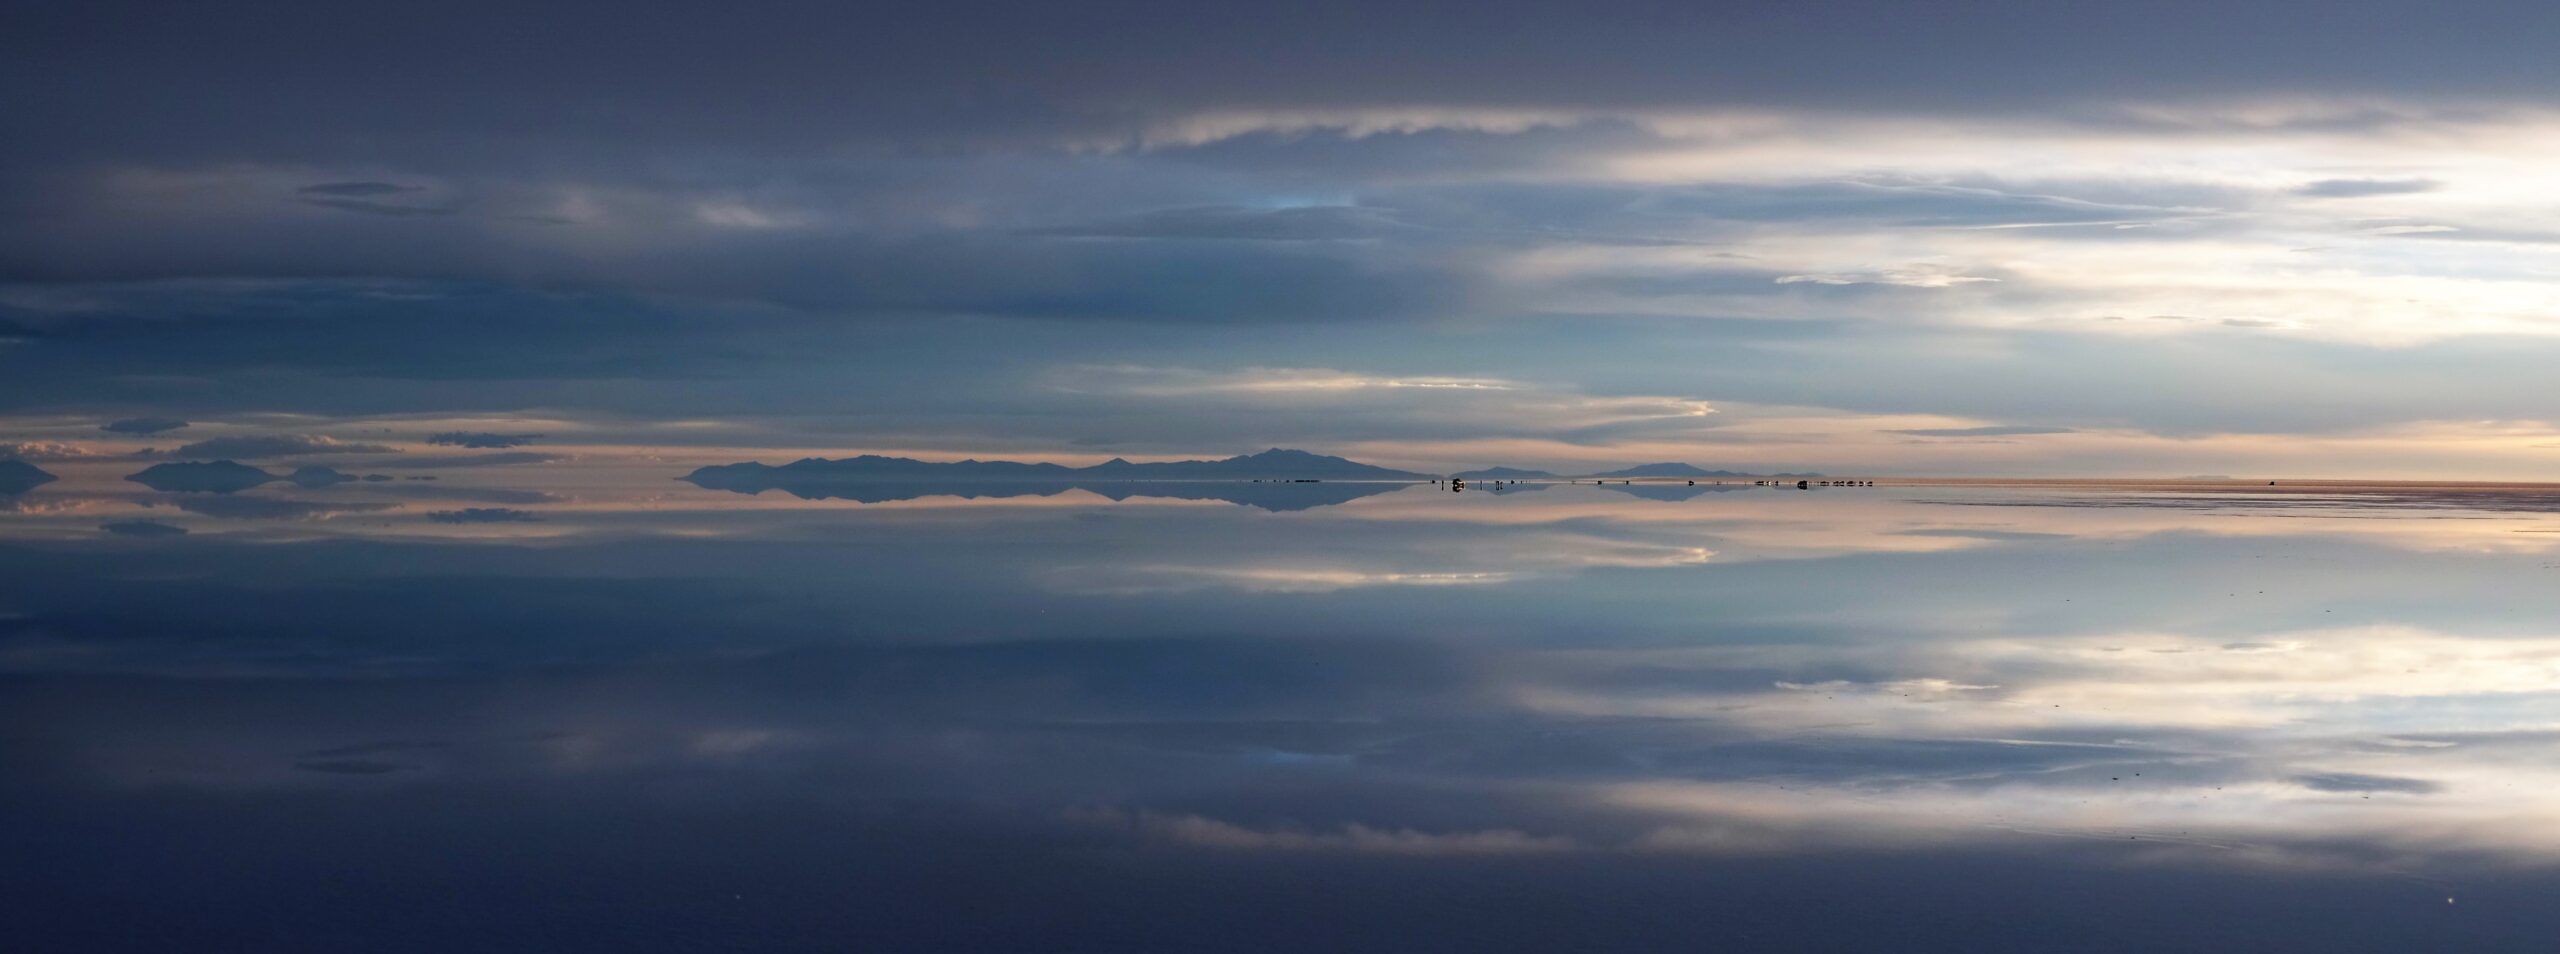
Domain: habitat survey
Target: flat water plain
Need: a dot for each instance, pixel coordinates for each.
(594, 708)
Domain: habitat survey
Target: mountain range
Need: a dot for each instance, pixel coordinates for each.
(1274, 464)
(1676, 469)
(815, 474)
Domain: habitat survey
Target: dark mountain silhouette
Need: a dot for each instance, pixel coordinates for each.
(1273, 464)
(18, 477)
(212, 477)
(1502, 473)
(1669, 470)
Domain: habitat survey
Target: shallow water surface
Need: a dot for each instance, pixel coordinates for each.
(604, 710)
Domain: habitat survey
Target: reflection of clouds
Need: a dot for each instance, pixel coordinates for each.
(2332, 678)
(2351, 734)
(1757, 523)
(1424, 563)
(273, 508)
(1199, 832)
(1166, 578)
(1420, 674)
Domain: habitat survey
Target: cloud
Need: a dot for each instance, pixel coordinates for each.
(1908, 278)
(142, 425)
(483, 515)
(926, 224)
(366, 196)
(2358, 188)
(481, 439)
(381, 208)
(1300, 224)
(1200, 832)
(358, 190)
(275, 445)
(49, 450)
(242, 507)
(2351, 782)
(1993, 430)
(142, 528)
(351, 766)
(1174, 382)
(473, 460)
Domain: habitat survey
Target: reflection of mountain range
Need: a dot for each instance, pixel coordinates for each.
(1274, 464)
(1671, 491)
(18, 477)
(1272, 480)
(1665, 469)
(1267, 495)
(210, 477)
(226, 476)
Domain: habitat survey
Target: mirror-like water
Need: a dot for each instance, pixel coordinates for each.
(598, 708)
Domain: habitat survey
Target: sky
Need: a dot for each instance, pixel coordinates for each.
(1959, 238)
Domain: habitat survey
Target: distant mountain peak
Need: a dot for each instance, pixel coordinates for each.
(1680, 469)
(1282, 454)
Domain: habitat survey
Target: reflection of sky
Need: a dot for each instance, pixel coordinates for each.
(2303, 706)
